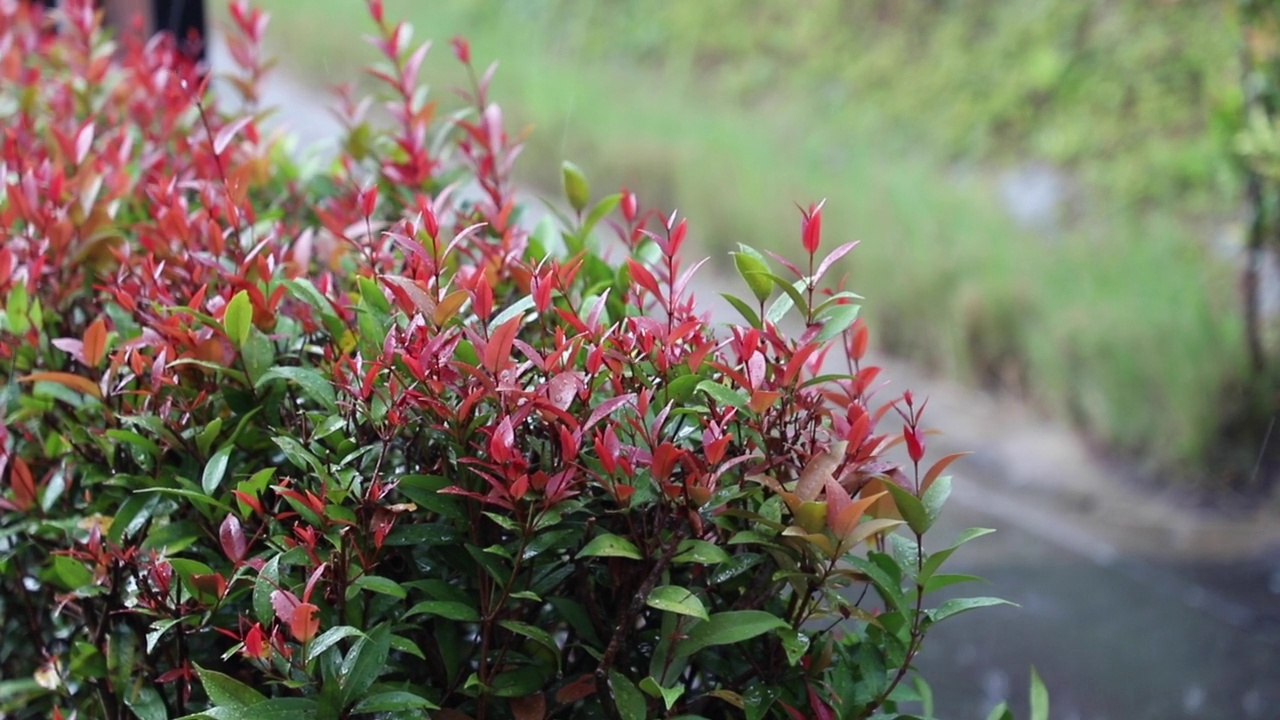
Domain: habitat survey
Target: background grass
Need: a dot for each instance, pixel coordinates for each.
(734, 110)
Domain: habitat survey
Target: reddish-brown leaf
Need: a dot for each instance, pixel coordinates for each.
(583, 687)
(305, 622)
(24, 485)
(820, 469)
(533, 707)
(95, 343)
(232, 537)
(411, 296)
(938, 467)
(75, 382)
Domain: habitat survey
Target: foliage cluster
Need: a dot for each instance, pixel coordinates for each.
(1124, 322)
(290, 442)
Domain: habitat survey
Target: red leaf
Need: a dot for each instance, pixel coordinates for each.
(562, 389)
(284, 603)
(641, 276)
(232, 537)
(84, 141)
(605, 408)
(860, 337)
(255, 643)
(812, 228)
(482, 298)
(461, 49)
(497, 354)
(226, 134)
(252, 502)
(410, 295)
(501, 443)
(792, 711)
(305, 622)
(821, 711)
(915, 443)
(311, 582)
(830, 260)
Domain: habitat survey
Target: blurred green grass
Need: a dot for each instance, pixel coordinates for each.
(730, 112)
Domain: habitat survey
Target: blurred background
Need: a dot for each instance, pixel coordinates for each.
(1068, 218)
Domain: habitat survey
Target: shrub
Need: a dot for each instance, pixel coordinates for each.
(292, 442)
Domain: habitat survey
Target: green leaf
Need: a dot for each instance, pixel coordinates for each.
(576, 190)
(215, 469)
(176, 536)
(1000, 712)
(536, 634)
(238, 319)
(743, 309)
(674, 599)
(275, 709)
(669, 695)
(305, 291)
(839, 319)
(146, 703)
(603, 207)
(754, 271)
(926, 695)
(268, 581)
(911, 508)
(959, 605)
(205, 438)
(520, 682)
(891, 591)
(298, 454)
(1039, 697)
(373, 296)
(447, 609)
(934, 561)
(791, 298)
(393, 701)
(16, 308)
(201, 500)
(941, 580)
(258, 355)
(935, 497)
(68, 572)
(365, 662)
(517, 308)
(610, 545)
(329, 638)
(728, 628)
(631, 703)
(225, 691)
(313, 385)
(144, 444)
(795, 643)
(701, 552)
(724, 395)
(158, 629)
(382, 585)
